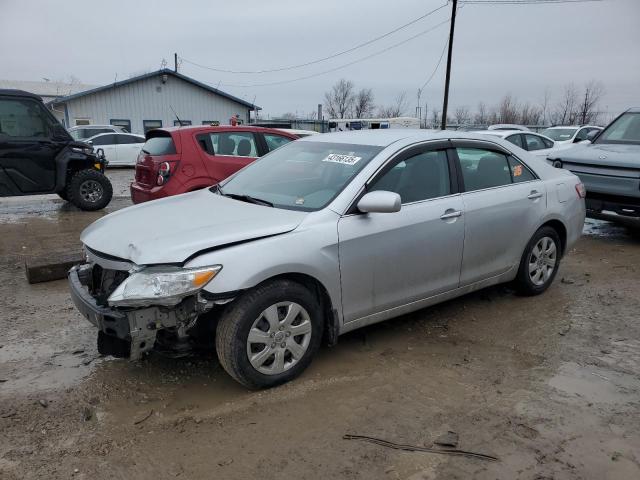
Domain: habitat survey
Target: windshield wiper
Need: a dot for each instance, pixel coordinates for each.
(246, 198)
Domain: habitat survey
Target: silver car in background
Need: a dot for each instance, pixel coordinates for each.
(322, 236)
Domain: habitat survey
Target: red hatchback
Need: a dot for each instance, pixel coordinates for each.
(182, 159)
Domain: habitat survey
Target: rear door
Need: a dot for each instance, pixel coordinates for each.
(108, 143)
(28, 147)
(226, 152)
(503, 204)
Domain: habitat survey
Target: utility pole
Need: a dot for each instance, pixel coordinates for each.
(446, 82)
(175, 62)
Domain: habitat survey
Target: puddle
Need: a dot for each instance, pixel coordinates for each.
(596, 385)
(604, 229)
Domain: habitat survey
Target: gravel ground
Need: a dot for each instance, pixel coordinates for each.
(549, 385)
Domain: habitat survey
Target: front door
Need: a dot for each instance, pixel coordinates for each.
(503, 203)
(392, 259)
(28, 147)
(108, 143)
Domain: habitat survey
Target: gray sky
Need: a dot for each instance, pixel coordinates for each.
(498, 48)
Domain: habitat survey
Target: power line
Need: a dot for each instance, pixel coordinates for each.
(323, 59)
(444, 49)
(306, 77)
(524, 2)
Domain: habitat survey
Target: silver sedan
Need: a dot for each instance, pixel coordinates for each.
(322, 236)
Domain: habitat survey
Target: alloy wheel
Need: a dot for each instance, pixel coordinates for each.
(542, 261)
(91, 191)
(279, 338)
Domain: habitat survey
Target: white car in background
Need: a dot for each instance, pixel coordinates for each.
(84, 132)
(535, 143)
(566, 135)
(508, 126)
(120, 149)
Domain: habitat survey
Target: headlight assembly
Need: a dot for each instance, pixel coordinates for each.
(165, 286)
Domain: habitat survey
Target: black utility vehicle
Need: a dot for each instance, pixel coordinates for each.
(38, 156)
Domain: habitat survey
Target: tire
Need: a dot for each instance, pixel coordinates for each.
(536, 273)
(274, 359)
(89, 190)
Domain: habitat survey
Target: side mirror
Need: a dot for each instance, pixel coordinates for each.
(100, 153)
(380, 201)
(592, 135)
(88, 142)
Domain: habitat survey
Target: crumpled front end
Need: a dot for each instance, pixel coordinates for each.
(130, 331)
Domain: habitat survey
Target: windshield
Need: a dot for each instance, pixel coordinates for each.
(625, 129)
(560, 134)
(301, 175)
(75, 134)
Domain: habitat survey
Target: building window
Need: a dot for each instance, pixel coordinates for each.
(181, 123)
(83, 121)
(211, 123)
(151, 124)
(126, 124)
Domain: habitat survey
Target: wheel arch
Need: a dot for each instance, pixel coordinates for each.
(561, 230)
(316, 287)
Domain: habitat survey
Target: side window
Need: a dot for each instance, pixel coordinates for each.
(104, 140)
(519, 172)
(129, 139)
(275, 141)
(548, 143)
(126, 124)
(534, 142)
(516, 140)
(151, 124)
(24, 118)
(236, 144)
(423, 176)
(581, 135)
(483, 168)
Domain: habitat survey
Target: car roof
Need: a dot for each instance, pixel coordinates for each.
(115, 133)
(384, 138)
(77, 127)
(223, 128)
(18, 93)
(633, 110)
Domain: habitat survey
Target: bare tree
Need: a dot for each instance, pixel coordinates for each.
(544, 105)
(530, 114)
(398, 108)
(339, 100)
(435, 118)
(508, 110)
(481, 117)
(363, 103)
(566, 109)
(462, 115)
(288, 116)
(587, 110)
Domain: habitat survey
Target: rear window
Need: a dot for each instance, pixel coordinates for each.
(159, 146)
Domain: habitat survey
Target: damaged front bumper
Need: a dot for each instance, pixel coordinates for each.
(130, 332)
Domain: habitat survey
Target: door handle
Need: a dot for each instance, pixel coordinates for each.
(450, 214)
(534, 194)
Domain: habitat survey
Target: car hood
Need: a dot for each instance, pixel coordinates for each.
(173, 229)
(610, 155)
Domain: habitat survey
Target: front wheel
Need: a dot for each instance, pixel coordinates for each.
(89, 190)
(539, 263)
(270, 334)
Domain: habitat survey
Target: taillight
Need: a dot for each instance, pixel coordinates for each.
(164, 172)
(580, 190)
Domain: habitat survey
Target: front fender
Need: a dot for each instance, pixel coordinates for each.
(311, 249)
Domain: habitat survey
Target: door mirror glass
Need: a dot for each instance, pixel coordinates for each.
(592, 134)
(380, 201)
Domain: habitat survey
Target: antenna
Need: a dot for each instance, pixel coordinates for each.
(174, 112)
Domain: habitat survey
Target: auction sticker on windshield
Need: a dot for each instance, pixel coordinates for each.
(345, 159)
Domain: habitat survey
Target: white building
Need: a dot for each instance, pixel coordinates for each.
(149, 101)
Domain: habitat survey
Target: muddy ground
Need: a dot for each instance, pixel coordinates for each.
(550, 385)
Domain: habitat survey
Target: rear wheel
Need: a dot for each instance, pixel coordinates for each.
(270, 334)
(539, 263)
(89, 190)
